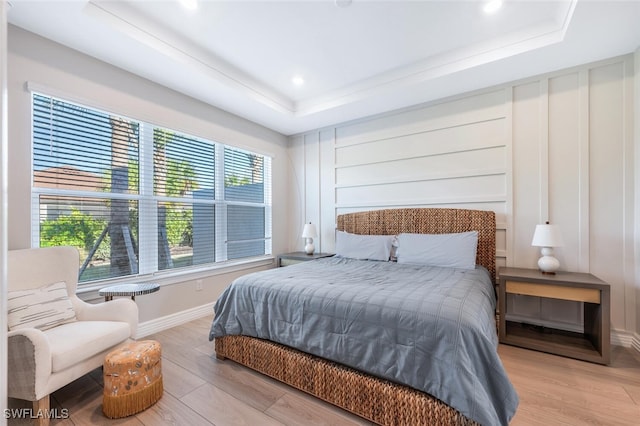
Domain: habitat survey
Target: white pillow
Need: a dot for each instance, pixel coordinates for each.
(43, 308)
(447, 250)
(363, 247)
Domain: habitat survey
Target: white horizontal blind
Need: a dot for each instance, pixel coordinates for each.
(244, 194)
(135, 198)
(184, 191)
(85, 185)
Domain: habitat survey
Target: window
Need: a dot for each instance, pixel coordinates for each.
(137, 199)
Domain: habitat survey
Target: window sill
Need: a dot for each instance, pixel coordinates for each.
(89, 292)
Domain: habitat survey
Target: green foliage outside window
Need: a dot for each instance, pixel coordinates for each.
(75, 229)
(180, 227)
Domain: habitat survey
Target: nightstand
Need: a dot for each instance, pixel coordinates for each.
(592, 345)
(287, 259)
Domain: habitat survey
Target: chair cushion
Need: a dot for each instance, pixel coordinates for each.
(74, 342)
(42, 308)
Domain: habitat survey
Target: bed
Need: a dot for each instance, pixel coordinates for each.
(383, 364)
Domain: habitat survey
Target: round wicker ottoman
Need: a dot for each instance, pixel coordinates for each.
(132, 378)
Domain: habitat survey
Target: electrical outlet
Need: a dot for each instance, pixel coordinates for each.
(199, 285)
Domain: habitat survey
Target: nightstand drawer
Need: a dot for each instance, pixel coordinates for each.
(589, 295)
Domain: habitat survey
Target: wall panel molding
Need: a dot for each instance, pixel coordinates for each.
(543, 161)
(607, 183)
(630, 214)
(427, 177)
(583, 162)
(312, 177)
(508, 225)
(473, 108)
(557, 147)
(298, 189)
(443, 202)
(327, 191)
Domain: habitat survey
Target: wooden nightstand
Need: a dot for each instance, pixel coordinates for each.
(592, 345)
(287, 259)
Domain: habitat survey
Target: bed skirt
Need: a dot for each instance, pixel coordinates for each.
(378, 400)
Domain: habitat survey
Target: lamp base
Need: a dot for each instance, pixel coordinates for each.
(547, 263)
(309, 248)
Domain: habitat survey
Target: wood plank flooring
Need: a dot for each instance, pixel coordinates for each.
(201, 390)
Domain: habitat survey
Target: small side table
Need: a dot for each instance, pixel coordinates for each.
(131, 290)
(287, 259)
(593, 345)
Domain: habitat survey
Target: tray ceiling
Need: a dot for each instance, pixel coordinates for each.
(363, 59)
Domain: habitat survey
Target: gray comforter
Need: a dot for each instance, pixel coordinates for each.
(427, 327)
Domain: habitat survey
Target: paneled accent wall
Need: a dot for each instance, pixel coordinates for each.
(557, 147)
(446, 155)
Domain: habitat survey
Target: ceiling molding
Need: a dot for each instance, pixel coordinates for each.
(126, 21)
(132, 24)
(445, 64)
(368, 59)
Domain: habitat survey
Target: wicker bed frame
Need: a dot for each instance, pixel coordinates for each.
(375, 399)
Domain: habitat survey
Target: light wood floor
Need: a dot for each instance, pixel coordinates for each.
(200, 390)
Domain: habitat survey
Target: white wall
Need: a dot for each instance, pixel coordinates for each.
(75, 76)
(3, 208)
(555, 147)
(636, 340)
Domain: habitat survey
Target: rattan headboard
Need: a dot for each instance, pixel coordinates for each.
(429, 221)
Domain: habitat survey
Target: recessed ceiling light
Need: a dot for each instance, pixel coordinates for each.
(492, 6)
(343, 3)
(189, 4)
(297, 80)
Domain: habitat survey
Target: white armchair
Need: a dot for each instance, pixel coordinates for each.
(42, 361)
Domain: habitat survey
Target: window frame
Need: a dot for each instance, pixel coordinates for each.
(148, 205)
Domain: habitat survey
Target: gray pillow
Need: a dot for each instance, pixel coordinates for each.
(447, 250)
(363, 247)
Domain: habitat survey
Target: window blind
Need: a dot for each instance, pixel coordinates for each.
(136, 198)
(244, 190)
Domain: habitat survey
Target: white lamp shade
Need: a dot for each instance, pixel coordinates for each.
(309, 231)
(547, 236)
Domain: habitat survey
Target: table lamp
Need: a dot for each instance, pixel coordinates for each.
(309, 233)
(547, 236)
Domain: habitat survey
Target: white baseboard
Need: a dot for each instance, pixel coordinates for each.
(163, 323)
(635, 342)
(622, 338)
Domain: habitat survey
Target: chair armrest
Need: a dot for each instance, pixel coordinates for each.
(29, 363)
(124, 310)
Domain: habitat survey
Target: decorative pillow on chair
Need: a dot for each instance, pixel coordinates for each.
(43, 308)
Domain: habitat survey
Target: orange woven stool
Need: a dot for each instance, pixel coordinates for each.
(132, 378)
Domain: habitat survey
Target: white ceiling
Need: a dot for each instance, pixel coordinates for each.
(367, 58)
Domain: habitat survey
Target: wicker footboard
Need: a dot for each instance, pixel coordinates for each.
(375, 399)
